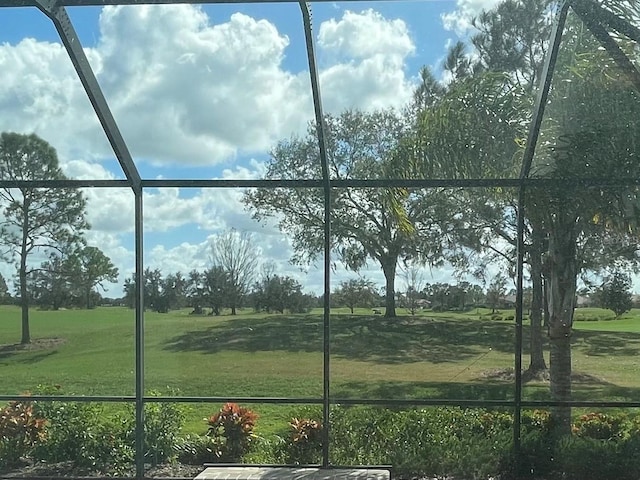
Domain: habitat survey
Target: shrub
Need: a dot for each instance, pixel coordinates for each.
(231, 431)
(537, 421)
(436, 441)
(20, 430)
(98, 437)
(162, 424)
(305, 441)
(467, 443)
(196, 450)
(588, 458)
(601, 426)
(85, 434)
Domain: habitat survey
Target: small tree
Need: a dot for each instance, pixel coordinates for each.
(275, 293)
(5, 296)
(615, 294)
(91, 268)
(414, 283)
(357, 292)
(216, 283)
(153, 290)
(496, 291)
(130, 292)
(235, 253)
(50, 285)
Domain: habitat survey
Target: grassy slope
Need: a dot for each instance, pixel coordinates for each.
(444, 355)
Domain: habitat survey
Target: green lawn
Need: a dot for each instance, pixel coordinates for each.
(432, 355)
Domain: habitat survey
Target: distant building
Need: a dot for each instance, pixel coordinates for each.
(584, 301)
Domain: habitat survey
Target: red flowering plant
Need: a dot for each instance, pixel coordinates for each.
(602, 426)
(231, 432)
(306, 441)
(20, 430)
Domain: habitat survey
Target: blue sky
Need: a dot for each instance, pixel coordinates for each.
(203, 92)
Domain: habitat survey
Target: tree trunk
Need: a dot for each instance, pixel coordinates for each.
(560, 362)
(24, 294)
(537, 363)
(24, 304)
(389, 268)
(561, 293)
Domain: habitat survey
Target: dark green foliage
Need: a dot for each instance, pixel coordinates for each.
(5, 296)
(100, 437)
(445, 296)
(71, 279)
(196, 450)
(475, 443)
(275, 294)
(162, 424)
(356, 292)
(90, 268)
(615, 293)
(213, 289)
(161, 294)
(85, 434)
(589, 458)
(438, 441)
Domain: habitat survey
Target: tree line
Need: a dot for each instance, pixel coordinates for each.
(211, 291)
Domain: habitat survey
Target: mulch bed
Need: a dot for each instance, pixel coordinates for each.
(35, 345)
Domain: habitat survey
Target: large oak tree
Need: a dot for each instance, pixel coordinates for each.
(385, 225)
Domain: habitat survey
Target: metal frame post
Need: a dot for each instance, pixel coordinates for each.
(326, 184)
(139, 332)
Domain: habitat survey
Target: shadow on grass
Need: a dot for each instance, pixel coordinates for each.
(405, 340)
(33, 352)
(394, 390)
(364, 338)
(617, 344)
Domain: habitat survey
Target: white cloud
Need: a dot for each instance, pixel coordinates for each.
(366, 34)
(85, 170)
(369, 58)
(182, 258)
(182, 91)
(110, 210)
(197, 93)
(40, 93)
(185, 91)
(460, 19)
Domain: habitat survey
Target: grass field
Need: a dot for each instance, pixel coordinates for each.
(433, 355)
